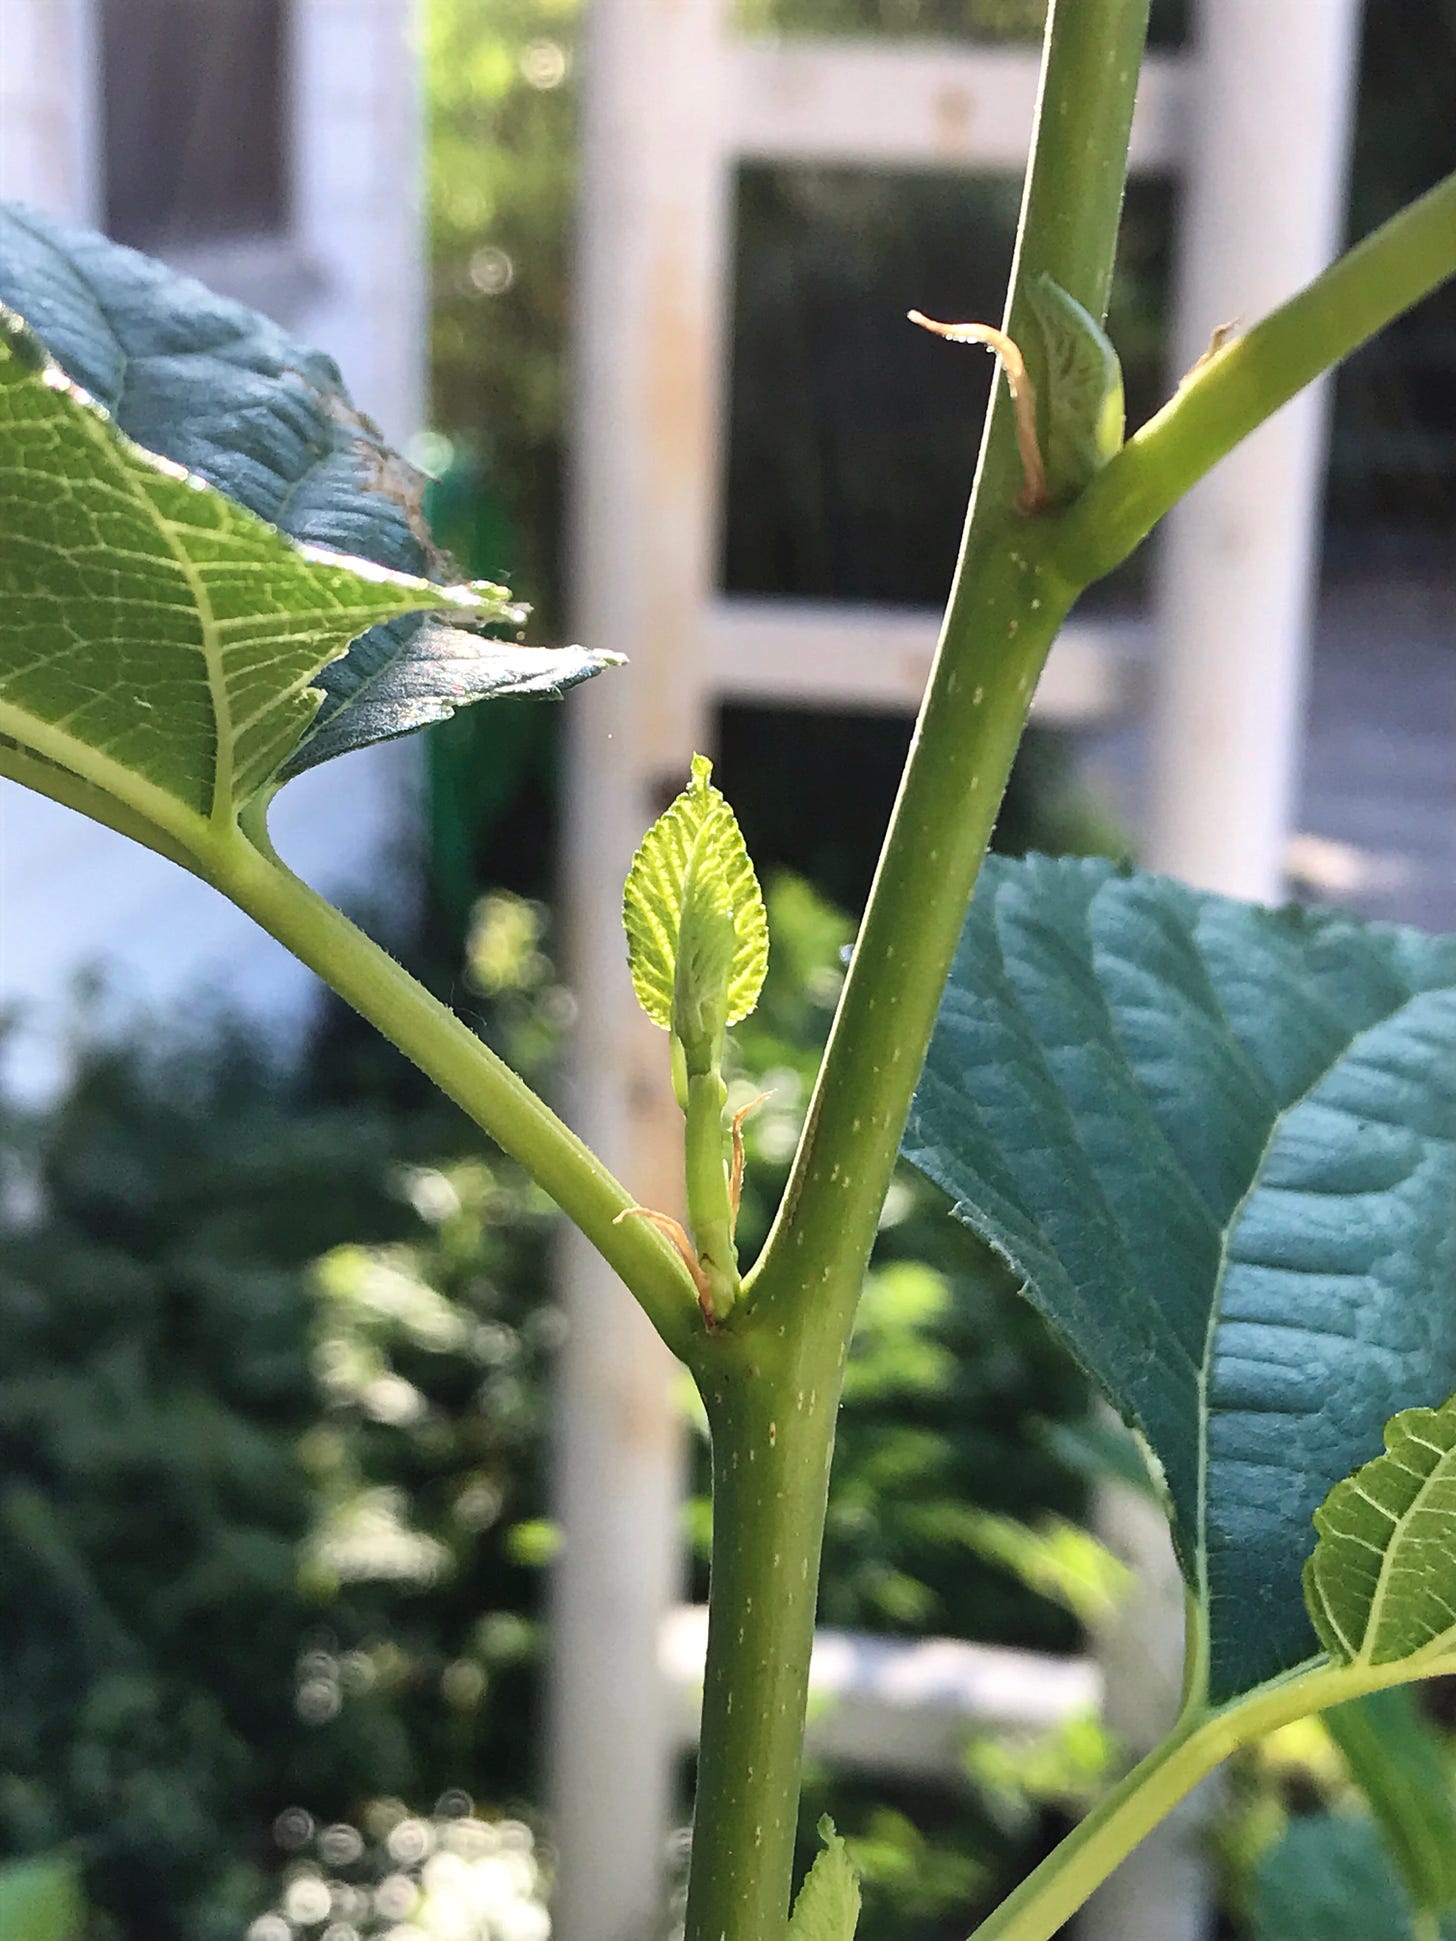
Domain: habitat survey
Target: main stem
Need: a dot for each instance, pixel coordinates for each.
(771, 1408)
(778, 1362)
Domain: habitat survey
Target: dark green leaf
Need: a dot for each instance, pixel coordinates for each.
(235, 400)
(156, 639)
(1398, 1759)
(1218, 1144)
(1381, 1583)
(1329, 1878)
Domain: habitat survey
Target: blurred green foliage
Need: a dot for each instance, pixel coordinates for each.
(273, 1393)
(225, 1527)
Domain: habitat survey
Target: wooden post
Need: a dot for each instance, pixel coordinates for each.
(357, 196)
(1263, 213)
(50, 108)
(649, 274)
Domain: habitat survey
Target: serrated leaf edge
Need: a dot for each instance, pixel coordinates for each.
(1400, 1434)
(653, 900)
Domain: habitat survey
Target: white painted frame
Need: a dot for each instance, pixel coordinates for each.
(671, 101)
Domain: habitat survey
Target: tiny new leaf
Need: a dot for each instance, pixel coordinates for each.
(691, 871)
(236, 401)
(1381, 1582)
(156, 640)
(1081, 415)
(827, 1908)
(1218, 1145)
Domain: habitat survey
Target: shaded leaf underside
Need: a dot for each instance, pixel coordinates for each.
(235, 400)
(151, 631)
(1218, 1144)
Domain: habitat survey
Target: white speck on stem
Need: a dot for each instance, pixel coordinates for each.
(978, 697)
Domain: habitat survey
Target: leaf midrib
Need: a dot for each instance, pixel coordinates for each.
(103, 432)
(1399, 1524)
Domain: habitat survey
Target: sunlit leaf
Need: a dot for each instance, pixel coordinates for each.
(236, 401)
(827, 1908)
(689, 881)
(1381, 1583)
(156, 639)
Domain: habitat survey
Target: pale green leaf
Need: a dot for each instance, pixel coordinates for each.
(1080, 413)
(1218, 1145)
(156, 639)
(693, 864)
(827, 1908)
(40, 1900)
(1381, 1583)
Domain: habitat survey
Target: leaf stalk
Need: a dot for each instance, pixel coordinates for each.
(467, 1071)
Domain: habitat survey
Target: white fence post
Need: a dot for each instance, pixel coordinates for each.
(50, 107)
(1263, 213)
(649, 273)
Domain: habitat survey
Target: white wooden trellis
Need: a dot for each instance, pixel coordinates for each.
(672, 100)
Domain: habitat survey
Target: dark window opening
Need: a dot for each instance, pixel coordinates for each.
(193, 95)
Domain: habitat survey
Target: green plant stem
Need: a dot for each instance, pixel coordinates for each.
(1006, 605)
(1200, 1741)
(466, 1070)
(709, 1212)
(780, 1357)
(1221, 402)
(772, 1424)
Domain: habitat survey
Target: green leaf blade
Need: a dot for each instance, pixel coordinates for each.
(1218, 1144)
(1082, 416)
(1329, 1878)
(158, 640)
(267, 421)
(1381, 1582)
(827, 1908)
(691, 872)
(1398, 1758)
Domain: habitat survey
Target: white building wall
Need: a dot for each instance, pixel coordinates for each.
(349, 277)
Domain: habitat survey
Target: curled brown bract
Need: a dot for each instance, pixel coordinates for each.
(1023, 397)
